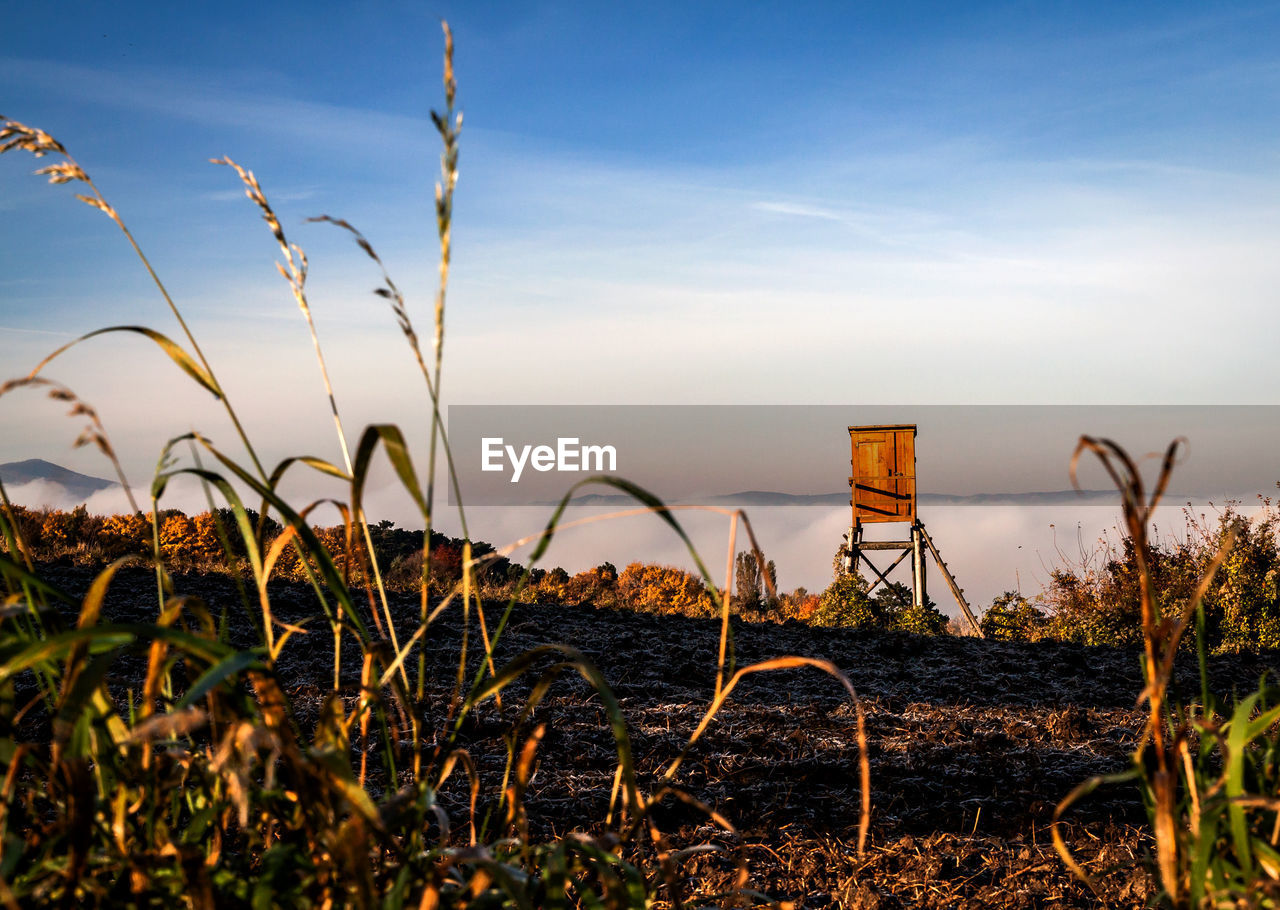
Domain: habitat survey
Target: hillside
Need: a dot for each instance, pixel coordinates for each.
(77, 486)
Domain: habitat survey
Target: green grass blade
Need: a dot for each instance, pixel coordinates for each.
(1237, 742)
(226, 669)
(397, 453)
(332, 577)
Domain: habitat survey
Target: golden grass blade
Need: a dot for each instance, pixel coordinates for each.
(728, 599)
(1079, 792)
(452, 760)
(174, 351)
(668, 790)
(175, 723)
(394, 667)
(1197, 598)
(786, 663)
(14, 135)
(295, 272)
(9, 567)
(56, 646)
(588, 670)
(314, 546)
(12, 529)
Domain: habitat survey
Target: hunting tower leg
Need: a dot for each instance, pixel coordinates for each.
(853, 539)
(918, 592)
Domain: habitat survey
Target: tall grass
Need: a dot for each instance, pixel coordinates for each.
(205, 783)
(1209, 772)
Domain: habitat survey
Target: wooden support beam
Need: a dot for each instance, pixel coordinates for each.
(951, 582)
(894, 565)
(885, 545)
(880, 575)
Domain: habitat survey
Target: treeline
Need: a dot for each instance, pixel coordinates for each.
(199, 543)
(1096, 601)
(1093, 602)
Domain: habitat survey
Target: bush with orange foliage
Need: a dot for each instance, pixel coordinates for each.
(29, 524)
(125, 535)
(205, 544)
(64, 530)
(598, 586)
(664, 589)
(177, 538)
(799, 605)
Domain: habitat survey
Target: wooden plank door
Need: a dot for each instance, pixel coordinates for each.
(883, 481)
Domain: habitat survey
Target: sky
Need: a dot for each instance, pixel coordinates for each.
(660, 203)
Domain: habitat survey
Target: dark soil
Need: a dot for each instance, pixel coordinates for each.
(972, 744)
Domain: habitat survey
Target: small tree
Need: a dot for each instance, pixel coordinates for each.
(752, 585)
(746, 582)
(893, 605)
(1011, 617)
(845, 604)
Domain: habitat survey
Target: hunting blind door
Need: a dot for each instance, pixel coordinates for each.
(882, 488)
(883, 485)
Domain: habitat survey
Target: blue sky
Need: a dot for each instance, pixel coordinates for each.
(659, 203)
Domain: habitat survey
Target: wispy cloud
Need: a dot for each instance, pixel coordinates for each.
(184, 95)
(800, 211)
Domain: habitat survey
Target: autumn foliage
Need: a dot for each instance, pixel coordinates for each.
(193, 543)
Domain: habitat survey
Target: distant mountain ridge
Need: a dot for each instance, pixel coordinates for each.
(80, 486)
(769, 498)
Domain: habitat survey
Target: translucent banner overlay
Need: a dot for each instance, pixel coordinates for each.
(800, 456)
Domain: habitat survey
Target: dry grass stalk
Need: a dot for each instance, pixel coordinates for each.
(1164, 739)
(233, 734)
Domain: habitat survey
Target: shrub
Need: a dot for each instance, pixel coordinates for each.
(664, 589)
(65, 530)
(126, 535)
(799, 605)
(1011, 617)
(1096, 602)
(845, 604)
(1207, 771)
(177, 538)
(1243, 606)
(598, 586)
(922, 620)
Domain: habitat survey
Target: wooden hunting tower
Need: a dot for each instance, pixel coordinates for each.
(882, 488)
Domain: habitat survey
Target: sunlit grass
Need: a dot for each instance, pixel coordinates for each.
(204, 782)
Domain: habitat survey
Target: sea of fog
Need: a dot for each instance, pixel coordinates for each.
(990, 548)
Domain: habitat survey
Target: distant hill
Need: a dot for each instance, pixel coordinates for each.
(78, 486)
(767, 498)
